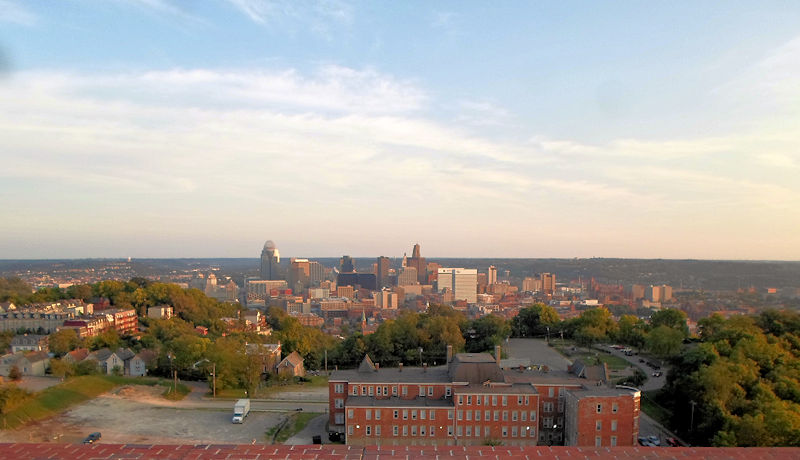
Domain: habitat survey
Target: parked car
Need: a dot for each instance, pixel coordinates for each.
(646, 442)
(654, 440)
(657, 374)
(92, 438)
(672, 442)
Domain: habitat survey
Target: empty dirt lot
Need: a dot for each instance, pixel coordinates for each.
(138, 414)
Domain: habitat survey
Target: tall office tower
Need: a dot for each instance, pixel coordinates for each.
(316, 273)
(653, 293)
(270, 262)
(463, 282)
(531, 284)
(382, 272)
(299, 274)
(666, 292)
(492, 275)
(419, 263)
(407, 277)
(548, 282)
(347, 265)
(637, 292)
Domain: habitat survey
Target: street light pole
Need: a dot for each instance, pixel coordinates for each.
(214, 380)
(691, 419)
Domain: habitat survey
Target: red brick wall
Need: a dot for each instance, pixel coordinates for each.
(626, 416)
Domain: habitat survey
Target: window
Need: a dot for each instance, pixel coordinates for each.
(519, 399)
(560, 405)
(469, 415)
(461, 415)
(450, 414)
(405, 414)
(339, 419)
(460, 399)
(421, 391)
(413, 430)
(355, 390)
(377, 414)
(369, 430)
(486, 431)
(523, 416)
(613, 441)
(514, 416)
(422, 414)
(395, 430)
(527, 400)
(449, 430)
(505, 431)
(350, 413)
(497, 416)
(598, 441)
(548, 422)
(386, 391)
(522, 431)
(486, 400)
(460, 431)
(405, 430)
(477, 416)
(599, 408)
(447, 391)
(396, 414)
(533, 416)
(369, 414)
(339, 403)
(547, 407)
(469, 399)
(478, 400)
(432, 413)
(430, 430)
(613, 425)
(394, 390)
(363, 391)
(477, 431)
(469, 431)
(494, 400)
(422, 430)
(370, 390)
(551, 392)
(377, 430)
(614, 408)
(350, 430)
(405, 390)
(377, 391)
(339, 388)
(505, 415)
(413, 415)
(514, 432)
(430, 391)
(505, 400)
(487, 415)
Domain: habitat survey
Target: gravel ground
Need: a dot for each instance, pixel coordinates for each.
(139, 415)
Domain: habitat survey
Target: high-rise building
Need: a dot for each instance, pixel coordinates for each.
(382, 272)
(637, 292)
(270, 262)
(653, 293)
(316, 273)
(418, 262)
(347, 264)
(492, 275)
(299, 274)
(407, 277)
(463, 282)
(548, 282)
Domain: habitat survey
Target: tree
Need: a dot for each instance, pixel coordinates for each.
(664, 341)
(14, 373)
(64, 341)
(671, 318)
(486, 332)
(106, 339)
(632, 331)
(534, 321)
(60, 368)
(595, 325)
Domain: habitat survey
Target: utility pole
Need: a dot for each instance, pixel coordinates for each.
(214, 380)
(548, 334)
(326, 362)
(691, 420)
(174, 381)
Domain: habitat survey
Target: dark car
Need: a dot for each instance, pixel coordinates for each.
(92, 438)
(672, 442)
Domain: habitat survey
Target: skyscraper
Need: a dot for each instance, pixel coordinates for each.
(382, 271)
(492, 275)
(418, 262)
(463, 282)
(270, 262)
(347, 264)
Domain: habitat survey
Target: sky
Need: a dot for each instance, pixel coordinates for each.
(161, 128)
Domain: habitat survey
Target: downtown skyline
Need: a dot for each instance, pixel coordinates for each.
(155, 129)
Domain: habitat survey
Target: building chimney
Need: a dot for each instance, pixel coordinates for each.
(449, 353)
(497, 353)
(401, 367)
(377, 367)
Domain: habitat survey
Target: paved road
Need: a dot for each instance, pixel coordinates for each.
(652, 383)
(316, 427)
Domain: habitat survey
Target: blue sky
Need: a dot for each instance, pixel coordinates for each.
(157, 128)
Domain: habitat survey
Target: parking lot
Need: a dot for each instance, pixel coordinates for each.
(538, 352)
(137, 414)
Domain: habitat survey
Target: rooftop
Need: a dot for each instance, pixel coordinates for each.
(366, 401)
(436, 374)
(342, 452)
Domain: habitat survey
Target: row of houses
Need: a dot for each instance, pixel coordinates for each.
(36, 363)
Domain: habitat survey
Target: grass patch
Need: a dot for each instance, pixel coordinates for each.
(274, 386)
(657, 412)
(180, 392)
(293, 425)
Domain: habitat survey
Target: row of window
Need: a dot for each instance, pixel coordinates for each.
(486, 398)
(614, 408)
(598, 425)
(396, 413)
(598, 441)
(378, 390)
(495, 415)
(548, 406)
(468, 431)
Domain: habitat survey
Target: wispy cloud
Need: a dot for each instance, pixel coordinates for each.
(320, 16)
(15, 13)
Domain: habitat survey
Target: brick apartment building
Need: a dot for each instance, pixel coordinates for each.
(472, 400)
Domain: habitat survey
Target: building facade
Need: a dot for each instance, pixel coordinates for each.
(463, 282)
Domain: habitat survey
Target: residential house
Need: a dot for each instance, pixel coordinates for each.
(270, 355)
(32, 363)
(75, 356)
(291, 366)
(29, 342)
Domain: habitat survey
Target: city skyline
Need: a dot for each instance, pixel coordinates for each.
(161, 129)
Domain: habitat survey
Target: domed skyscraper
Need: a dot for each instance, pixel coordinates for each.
(270, 261)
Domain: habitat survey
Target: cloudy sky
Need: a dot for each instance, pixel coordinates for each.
(159, 128)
